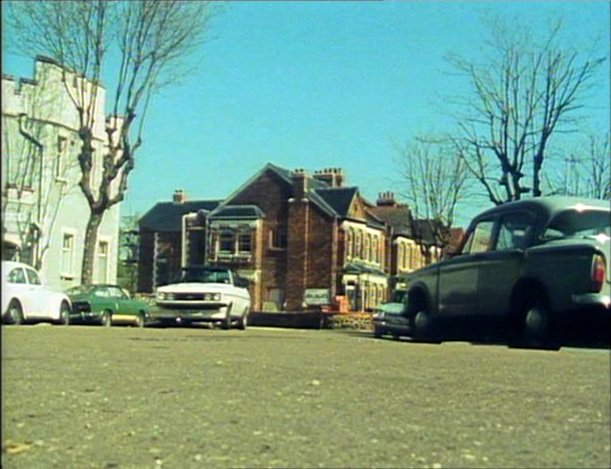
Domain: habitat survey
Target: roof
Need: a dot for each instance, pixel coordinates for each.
(167, 216)
(551, 205)
(338, 198)
(398, 216)
(237, 211)
(356, 267)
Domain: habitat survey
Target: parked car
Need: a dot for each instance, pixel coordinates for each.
(106, 305)
(390, 319)
(204, 294)
(534, 265)
(26, 299)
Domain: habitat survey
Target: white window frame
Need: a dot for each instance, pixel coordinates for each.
(68, 274)
(98, 255)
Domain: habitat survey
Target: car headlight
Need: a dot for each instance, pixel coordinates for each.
(163, 296)
(212, 297)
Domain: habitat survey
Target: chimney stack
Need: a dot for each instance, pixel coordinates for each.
(333, 177)
(179, 196)
(386, 199)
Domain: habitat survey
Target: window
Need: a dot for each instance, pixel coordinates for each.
(374, 248)
(244, 243)
(116, 292)
(514, 231)
(357, 244)
(16, 276)
(103, 247)
(366, 245)
(226, 241)
(480, 238)
(279, 238)
(67, 255)
(349, 246)
(61, 156)
(33, 278)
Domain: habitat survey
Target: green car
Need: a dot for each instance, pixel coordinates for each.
(106, 305)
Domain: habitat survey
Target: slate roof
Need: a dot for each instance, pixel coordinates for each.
(339, 199)
(399, 217)
(167, 216)
(238, 211)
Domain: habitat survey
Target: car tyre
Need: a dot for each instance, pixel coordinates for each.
(425, 327)
(64, 313)
(140, 319)
(534, 328)
(243, 322)
(378, 333)
(106, 320)
(15, 313)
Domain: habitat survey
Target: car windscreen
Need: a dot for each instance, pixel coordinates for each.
(203, 275)
(80, 290)
(573, 222)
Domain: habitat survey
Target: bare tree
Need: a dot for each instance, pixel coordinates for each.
(151, 37)
(586, 171)
(523, 94)
(434, 179)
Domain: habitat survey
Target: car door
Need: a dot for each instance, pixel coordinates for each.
(37, 294)
(125, 305)
(101, 300)
(19, 288)
(458, 277)
(500, 267)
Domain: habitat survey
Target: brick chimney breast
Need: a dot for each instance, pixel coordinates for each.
(333, 177)
(386, 199)
(179, 196)
(300, 183)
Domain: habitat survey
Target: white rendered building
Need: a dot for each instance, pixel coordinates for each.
(44, 213)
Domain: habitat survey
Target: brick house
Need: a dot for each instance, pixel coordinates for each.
(172, 234)
(302, 240)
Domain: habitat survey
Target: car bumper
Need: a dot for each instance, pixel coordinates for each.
(189, 314)
(597, 301)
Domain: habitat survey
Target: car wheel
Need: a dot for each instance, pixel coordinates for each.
(425, 327)
(15, 313)
(535, 328)
(243, 322)
(106, 319)
(226, 323)
(378, 333)
(64, 313)
(140, 319)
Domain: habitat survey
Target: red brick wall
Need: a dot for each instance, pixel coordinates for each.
(270, 194)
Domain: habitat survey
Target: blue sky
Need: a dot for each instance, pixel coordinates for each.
(322, 84)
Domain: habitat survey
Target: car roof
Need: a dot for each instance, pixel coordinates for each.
(12, 264)
(551, 205)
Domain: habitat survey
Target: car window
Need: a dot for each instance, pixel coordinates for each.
(101, 292)
(33, 278)
(573, 222)
(116, 292)
(16, 276)
(514, 231)
(480, 238)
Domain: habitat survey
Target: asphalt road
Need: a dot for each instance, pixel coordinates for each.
(79, 397)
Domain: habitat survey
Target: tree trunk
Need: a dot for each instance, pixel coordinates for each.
(91, 240)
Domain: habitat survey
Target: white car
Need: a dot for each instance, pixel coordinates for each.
(26, 299)
(204, 294)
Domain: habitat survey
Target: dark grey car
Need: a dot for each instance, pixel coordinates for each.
(533, 265)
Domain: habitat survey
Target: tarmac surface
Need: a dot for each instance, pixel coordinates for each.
(121, 397)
